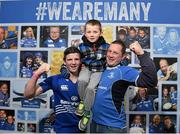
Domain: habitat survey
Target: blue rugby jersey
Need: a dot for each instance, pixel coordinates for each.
(66, 99)
(106, 110)
(145, 104)
(109, 105)
(28, 42)
(53, 44)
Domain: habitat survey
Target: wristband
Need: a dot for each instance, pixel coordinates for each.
(35, 75)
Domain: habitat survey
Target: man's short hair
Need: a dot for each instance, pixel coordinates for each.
(121, 43)
(70, 50)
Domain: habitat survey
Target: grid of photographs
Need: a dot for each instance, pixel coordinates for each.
(23, 48)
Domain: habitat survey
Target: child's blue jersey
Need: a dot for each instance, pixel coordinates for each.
(66, 99)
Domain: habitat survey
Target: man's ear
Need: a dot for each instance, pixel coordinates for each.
(123, 56)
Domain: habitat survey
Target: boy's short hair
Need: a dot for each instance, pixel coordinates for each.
(121, 43)
(70, 50)
(94, 22)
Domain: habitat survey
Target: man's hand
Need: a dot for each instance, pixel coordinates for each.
(136, 48)
(44, 68)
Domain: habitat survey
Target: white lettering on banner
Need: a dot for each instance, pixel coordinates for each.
(87, 9)
(123, 12)
(135, 10)
(110, 12)
(54, 10)
(65, 11)
(77, 11)
(97, 10)
(146, 10)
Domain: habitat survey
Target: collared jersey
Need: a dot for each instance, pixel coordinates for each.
(66, 99)
(145, 104)
(58, 43)
(28, 42)
(109, 105)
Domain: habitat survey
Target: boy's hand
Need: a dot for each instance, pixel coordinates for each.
(136, 48)
(44, 68)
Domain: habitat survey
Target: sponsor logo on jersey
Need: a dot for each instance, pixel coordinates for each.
(64, 87)
(74, 98)
(111, 75)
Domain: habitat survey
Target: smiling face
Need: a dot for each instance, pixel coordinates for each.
(114, 55)
(10, 119)
(72, 62)
(54, 33)
(156, 119)
(141, 33)
(137, 119)
(29, 32)
(165, 92)
(142, 92)
(4, 88)
(92, 32)
(163, 65)
(29, 61)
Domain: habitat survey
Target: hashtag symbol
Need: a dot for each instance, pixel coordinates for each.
(41, 11)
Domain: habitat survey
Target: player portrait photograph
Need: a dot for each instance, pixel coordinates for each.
(54, 36)
(28, 36)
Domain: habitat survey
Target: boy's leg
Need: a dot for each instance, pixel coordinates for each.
(83, 80)
(91, 89)
(82, 85)
(89, 99)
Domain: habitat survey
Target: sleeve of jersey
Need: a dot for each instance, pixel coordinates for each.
(130, 74)
(46, 84)
(148, 76)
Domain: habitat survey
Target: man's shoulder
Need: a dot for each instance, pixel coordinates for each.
(125, 68)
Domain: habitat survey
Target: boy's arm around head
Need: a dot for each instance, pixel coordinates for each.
(31, 88)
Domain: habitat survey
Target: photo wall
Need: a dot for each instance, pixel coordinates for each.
(38, 31)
